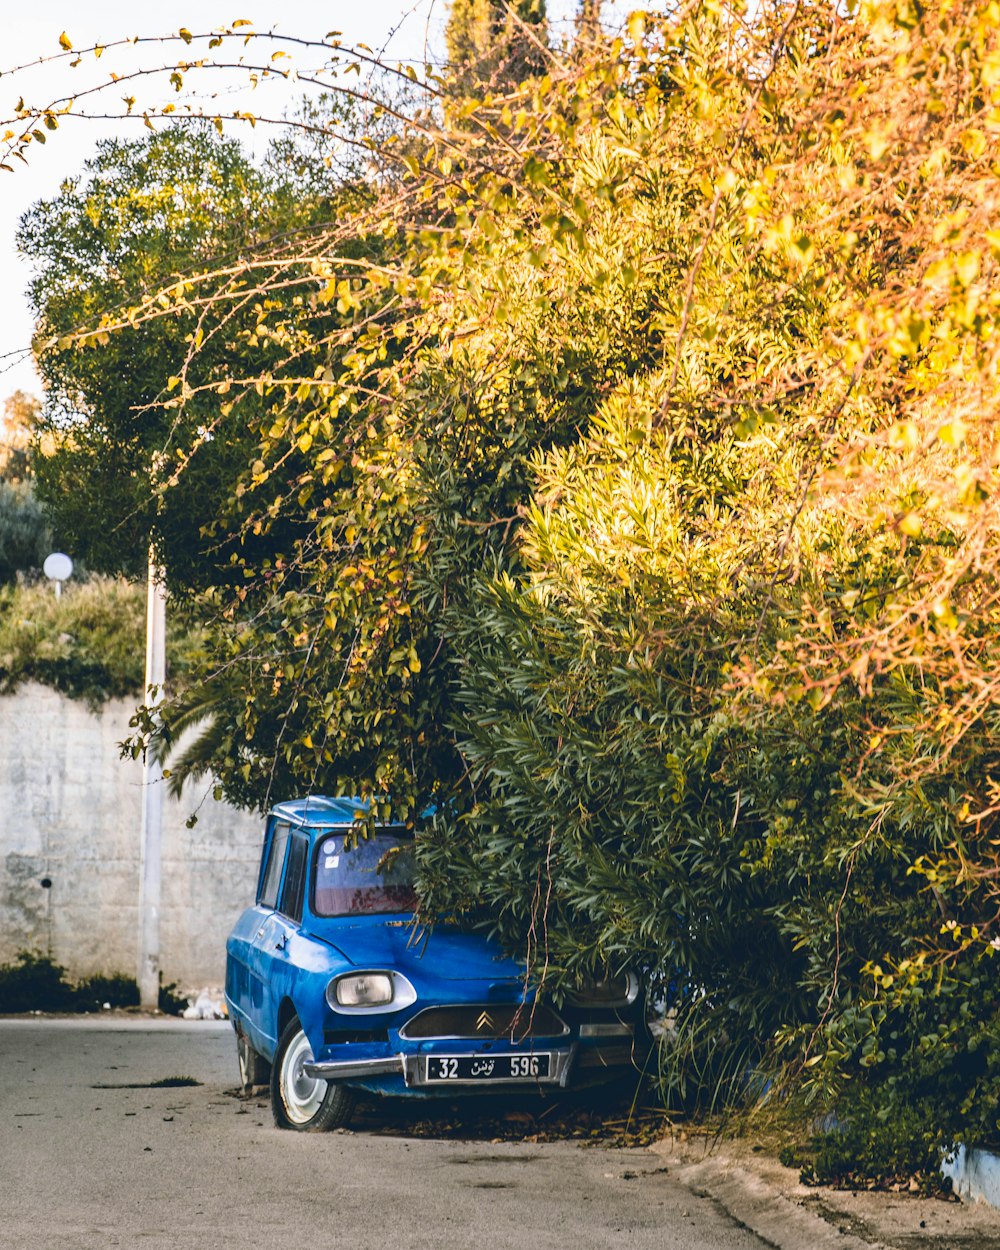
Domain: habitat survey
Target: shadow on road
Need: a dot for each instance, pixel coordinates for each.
(618, 1117)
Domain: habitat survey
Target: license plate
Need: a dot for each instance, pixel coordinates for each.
(445, 1068)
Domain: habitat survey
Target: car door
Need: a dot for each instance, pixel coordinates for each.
(258, 926)
(269, 957)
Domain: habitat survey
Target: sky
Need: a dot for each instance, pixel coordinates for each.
(405, 32)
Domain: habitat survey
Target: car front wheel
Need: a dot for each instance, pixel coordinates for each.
(300, 1102)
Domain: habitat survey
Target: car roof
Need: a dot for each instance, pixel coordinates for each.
(317, 810)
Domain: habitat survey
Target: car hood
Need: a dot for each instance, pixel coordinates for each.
(446, 951)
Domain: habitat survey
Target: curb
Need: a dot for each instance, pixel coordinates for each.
(769, 1200)
(755, 1201)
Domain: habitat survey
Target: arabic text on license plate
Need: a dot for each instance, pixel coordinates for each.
(487, 1067)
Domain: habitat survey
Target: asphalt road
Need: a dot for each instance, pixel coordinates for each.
(93, 1155)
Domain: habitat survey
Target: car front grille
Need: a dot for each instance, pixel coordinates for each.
(485, 1021)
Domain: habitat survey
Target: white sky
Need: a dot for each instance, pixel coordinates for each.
(407, 31)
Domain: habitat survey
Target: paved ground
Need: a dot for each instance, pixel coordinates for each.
(94, 1155)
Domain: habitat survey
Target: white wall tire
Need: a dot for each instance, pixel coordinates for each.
(299, 1102)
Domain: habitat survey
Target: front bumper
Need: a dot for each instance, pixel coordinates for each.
(414, 1070)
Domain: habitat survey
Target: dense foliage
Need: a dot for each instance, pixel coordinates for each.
(88, 643)
(639, 510)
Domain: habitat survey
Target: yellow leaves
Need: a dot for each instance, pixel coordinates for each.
(974, 143)
(727, 181)
(967, 267)
(64, 42)
(616, 111)
(904, 435)
(185, 34)
(952, 433)
(990, 70)
(938, 275)
(948, 229)
(944, 615)
(910, 524)
(968, 486)
(877, 141)
(907, 333)
(936, 163)
(636, 27)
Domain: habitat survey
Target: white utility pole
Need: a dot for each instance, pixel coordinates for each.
(148, 974)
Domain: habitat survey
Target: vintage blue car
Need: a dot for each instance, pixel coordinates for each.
(333, 988)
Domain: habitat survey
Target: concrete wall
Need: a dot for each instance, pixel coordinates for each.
(70, 812)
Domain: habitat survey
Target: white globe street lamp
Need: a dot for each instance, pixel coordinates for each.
(58, 568)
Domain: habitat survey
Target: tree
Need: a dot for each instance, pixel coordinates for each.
(25, 538)
(131, 411)
(20, 421)
(492, 43)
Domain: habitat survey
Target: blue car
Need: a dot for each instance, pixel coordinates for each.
(333, 988)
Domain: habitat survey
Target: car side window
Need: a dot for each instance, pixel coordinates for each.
(293, 891)
(275, 863)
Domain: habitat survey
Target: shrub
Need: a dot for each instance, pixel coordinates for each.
(35, 983)
(116, 990)
(88, 643)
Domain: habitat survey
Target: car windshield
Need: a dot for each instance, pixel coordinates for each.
(375, 875)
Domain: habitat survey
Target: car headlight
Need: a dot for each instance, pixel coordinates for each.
(365, 989)
(361, 991)
(617, 991)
